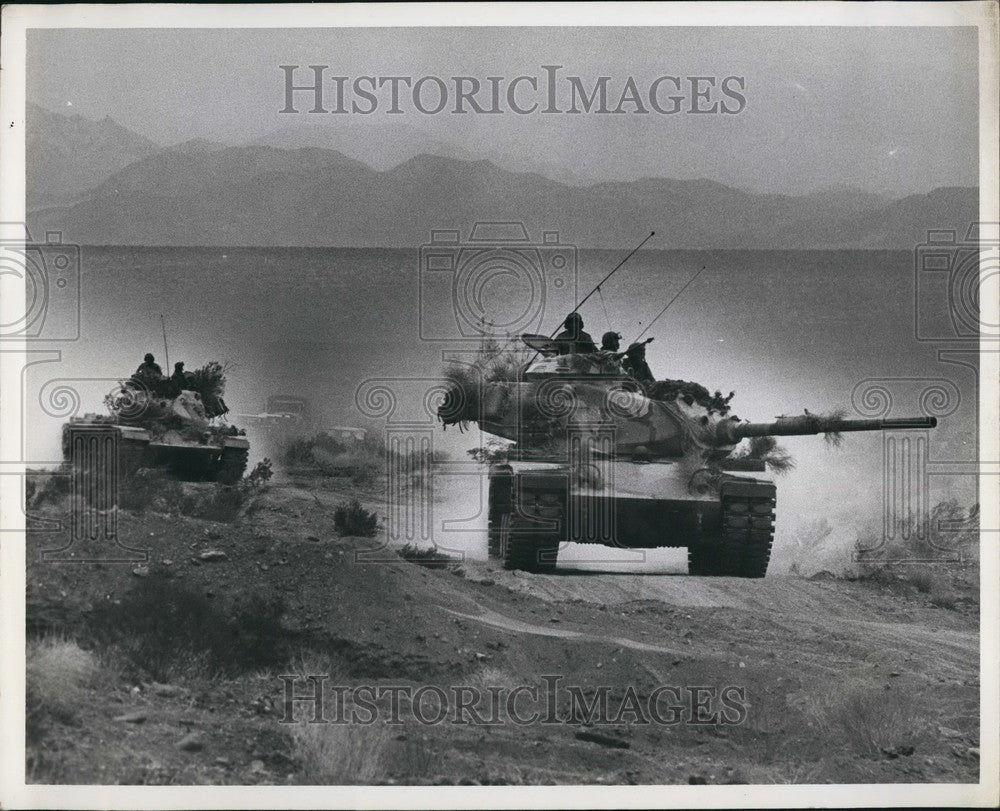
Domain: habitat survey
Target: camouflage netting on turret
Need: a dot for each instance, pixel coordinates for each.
(689, 393)
(164, 405)
(464, 387)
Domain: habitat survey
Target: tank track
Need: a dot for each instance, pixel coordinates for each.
(528, 550)
(512, 538)
(231, 465)
(742, 545)
(500, 495)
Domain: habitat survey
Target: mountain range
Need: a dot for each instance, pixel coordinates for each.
(100, 183)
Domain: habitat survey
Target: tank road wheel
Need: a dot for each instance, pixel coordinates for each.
(501, 487)
(527, 549)
(231, 465)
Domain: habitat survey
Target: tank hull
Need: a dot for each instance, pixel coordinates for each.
(222, 459)
(535, 507)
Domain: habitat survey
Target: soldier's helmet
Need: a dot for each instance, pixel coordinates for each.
(611, 341)
(573, 320)
(149, 358)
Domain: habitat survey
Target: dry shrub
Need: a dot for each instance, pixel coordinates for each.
(340, 754)
(353, 519)
(58, 671)
(868, 717)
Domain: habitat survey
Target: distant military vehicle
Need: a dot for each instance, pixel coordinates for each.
(281, 412)
(601, 458)
(154, 426)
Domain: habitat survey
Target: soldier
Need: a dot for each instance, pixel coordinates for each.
(635, 362)
(178, 380)
(609, 356)
(149, 371)
(573, 340)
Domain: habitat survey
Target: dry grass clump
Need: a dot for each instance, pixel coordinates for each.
(58, 672)
(340, 754)
(869, 718)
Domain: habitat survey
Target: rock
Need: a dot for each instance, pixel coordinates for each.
(257, 767)
(192, 742)
(481, 656)
(167, 562)
(600, 738)
(697, 780)
(823, 574)
(973, 751)
(895, 674)
(136, 717)
(222, 761)
(312, 538)
(141, 571)
(212, 535)
(212, 555)
(946, 732)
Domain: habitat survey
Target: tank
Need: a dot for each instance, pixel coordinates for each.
(600, 458)
(151, 425)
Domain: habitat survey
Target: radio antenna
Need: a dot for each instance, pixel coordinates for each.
(614, 270)
(676, 296)
(166, 352)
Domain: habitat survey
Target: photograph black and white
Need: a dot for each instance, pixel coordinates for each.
(541, 405)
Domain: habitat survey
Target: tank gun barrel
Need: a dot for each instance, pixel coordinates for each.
(730, 432)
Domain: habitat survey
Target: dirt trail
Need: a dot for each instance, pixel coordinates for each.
(498, 620)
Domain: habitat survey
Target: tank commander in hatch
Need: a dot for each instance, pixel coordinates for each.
(149, 370)
(573, 340)
(635, 362)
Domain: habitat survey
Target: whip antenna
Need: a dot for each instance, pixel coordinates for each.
(614, 270)
(676, 296)
(166, 353)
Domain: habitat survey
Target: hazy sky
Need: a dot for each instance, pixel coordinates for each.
(891, 110)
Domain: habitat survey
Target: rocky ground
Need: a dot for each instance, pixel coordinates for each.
(839, 681)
